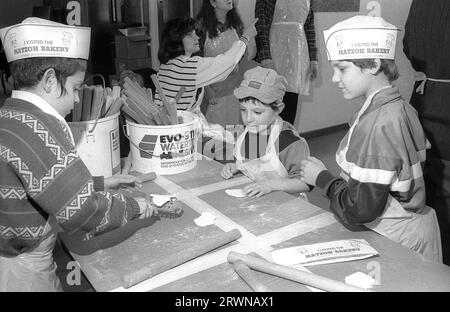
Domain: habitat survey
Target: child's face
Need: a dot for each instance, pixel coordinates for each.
(351, 80)
(64, 103)
(190, 43)
(257, 116)
(224, 5)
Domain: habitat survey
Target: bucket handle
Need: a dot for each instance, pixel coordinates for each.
(101, 100)
(125, 131)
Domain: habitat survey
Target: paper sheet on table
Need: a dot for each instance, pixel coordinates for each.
(322, 253)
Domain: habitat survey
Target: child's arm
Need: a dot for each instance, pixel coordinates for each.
(288, 185)
(215, 69)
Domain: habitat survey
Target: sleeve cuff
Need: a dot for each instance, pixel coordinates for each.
(99, 183)
(244, 39)
(324, 179)
(135, 209)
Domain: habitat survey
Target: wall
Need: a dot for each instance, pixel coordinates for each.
(13, 12)
(325, 106)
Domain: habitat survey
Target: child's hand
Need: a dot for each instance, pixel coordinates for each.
(115, 181)
(310, 169)
(229, 170)
(257, 189)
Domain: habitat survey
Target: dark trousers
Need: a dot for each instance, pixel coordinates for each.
(438, 197)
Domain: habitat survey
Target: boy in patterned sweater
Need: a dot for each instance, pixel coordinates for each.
(42, 179)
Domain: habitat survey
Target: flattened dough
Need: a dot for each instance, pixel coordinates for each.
(205, 219)
(235, 192)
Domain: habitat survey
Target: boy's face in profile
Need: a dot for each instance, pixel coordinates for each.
(351, 79)
(257, 116)
(64, 103)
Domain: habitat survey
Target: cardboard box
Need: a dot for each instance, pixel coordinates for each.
(132, 64)
(132, 47)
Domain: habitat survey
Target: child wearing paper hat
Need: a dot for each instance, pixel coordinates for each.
(269, 150)
(381, 185)
(44, 185)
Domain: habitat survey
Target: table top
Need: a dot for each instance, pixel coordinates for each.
(276, 220)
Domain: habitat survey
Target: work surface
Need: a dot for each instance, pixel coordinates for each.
(274, 221)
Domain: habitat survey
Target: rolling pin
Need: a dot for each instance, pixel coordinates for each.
(249, 277)
(179, 258)
(292, 274)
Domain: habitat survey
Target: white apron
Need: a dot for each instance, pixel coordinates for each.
(417, 231)
(288, 45)
(32, 271)
(268, 166)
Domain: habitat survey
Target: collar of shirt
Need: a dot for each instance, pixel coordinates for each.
(366, 104)
(42, 104)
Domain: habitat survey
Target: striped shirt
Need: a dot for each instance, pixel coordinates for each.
(196, 72)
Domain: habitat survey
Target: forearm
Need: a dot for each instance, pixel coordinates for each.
(214, 69)
(78, 207)
(289, 185)
(353, 202)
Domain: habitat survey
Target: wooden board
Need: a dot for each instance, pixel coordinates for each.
(105, 268)
(263, 214)
(223, 278)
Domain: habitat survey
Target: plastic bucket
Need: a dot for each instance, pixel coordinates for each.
(164, 149)
(98, 144)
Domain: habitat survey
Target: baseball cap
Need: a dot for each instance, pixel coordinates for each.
(263, 84)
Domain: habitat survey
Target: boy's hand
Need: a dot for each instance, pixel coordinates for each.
(257, 189)
(117, 180)
(310, 169)
(229, 170)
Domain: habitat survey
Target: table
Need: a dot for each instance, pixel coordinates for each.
(276, 220)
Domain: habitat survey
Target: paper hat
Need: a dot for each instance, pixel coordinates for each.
(262, 83)
(361, 37)
(37, 37)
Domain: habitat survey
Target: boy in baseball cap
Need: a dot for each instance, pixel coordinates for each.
(269, 150)
(381, 157)
(42, 179)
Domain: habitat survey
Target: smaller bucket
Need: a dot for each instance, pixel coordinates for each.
(98, 144)
(164, 150)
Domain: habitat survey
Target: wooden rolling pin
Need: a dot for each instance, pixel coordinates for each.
(249, 277)
(292, 274)
(179, 258)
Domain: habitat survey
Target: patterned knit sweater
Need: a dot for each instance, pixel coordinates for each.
(42, 175)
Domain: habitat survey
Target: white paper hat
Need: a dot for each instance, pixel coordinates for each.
(37, 37)
(361, 37)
